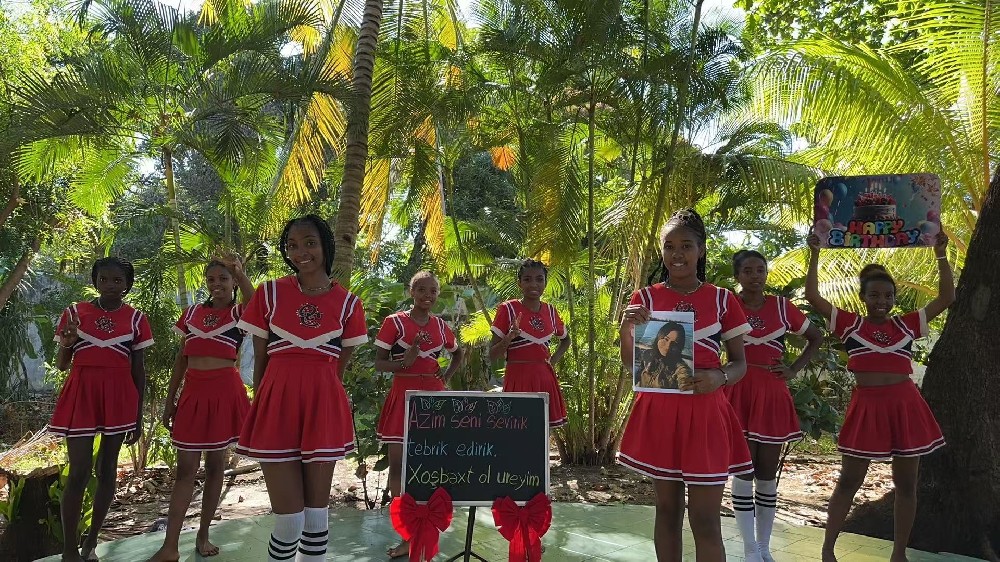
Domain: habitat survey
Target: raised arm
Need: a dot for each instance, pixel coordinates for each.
(822, 305)
(946, 282)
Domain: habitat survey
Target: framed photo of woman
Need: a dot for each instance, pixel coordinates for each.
(663, 355)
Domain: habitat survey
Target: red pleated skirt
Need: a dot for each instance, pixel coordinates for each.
(537, 377)
(889, 421)
(299, 413)
(690, 438)
(764, 407)
(96, 400)
(211, 410)
(390, 421)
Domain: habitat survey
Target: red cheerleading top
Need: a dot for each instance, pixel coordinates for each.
(211, 332)
(765, 343)
(537, 330)
(718, 316)
(107, 339)
(300, 324)
(398, 332)
(885, 347)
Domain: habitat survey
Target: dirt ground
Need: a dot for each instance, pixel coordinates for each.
(806, 484)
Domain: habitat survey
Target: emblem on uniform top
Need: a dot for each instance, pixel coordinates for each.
(755, 322)
(536, 323)
(310, 315)
(210, 320)
(881, 337)
(684, 306)
(105, 324)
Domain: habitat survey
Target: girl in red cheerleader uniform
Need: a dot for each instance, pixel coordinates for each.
(762, 400)
(887, 417)
(688, 440)
(408, 345)
(213, 404)
(103, 339)
(305, 327)
(522, 330)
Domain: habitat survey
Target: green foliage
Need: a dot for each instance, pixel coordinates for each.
(10, 507)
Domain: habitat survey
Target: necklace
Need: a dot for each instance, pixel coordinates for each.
(682, 291)
(101, 306)
(315, 289)
(752, 305)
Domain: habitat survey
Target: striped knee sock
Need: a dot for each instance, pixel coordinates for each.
(315, 535)
(766, 499)
(285, 536)
(743, 509)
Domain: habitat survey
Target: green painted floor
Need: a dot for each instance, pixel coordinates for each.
(579, 532)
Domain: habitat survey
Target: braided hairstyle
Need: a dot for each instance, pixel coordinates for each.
(690, 219)
(875, 272)
(532, 264)
(217, 263)
(325, 237)
(743, 255)
(114, 262)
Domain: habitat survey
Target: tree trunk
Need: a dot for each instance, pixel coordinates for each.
(28, 537)
(356, 154)
(14, 279)
(591, 275)
(416, 253)
(175, 225)
(961, 484)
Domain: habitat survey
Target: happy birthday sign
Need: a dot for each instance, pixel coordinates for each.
(886, 211)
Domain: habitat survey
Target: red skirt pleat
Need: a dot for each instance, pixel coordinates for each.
(96, 400)
(537, 377)
(390, 422)
(300, 413)
(695, 439)
(211, 410)
(764, 407)
(889, 421)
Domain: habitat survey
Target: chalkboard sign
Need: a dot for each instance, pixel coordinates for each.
(479, 446)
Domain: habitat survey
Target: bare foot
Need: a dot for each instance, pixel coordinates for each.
(165, 554)
(400, 550)
(204, 547)
(88, 549)
(828, 555)
(901, 557)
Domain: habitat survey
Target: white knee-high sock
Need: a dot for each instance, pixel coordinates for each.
(743, 508)
(285, 536)
(315, 535)
(766, 500)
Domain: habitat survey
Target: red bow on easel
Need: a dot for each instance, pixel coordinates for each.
(421, 525)
(523, 526)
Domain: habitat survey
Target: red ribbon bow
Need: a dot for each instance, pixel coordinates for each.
(421, 525)
(523, 526)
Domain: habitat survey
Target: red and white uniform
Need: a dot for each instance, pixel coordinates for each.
(761, 399)
(690, 438)
(300, 411)
(528, 368)
(213, 403)
(100, 396)
(397, 335)
(892, 420)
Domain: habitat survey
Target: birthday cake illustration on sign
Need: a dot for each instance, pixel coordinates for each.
(875, 205)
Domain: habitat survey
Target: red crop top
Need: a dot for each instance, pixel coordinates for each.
(211, 332)
(537, 330)
(765, 343)
(398, 332)
(885, 347)
(107, 339)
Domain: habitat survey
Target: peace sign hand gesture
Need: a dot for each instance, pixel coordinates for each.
(68, 336)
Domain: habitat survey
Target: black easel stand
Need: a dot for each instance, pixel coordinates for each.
(467, 553)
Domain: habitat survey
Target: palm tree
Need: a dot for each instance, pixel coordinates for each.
(162, 81)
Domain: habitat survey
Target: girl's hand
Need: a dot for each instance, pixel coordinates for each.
(941, 245)
(69, 336)
(232, 262)
(813, 242)
(169, 411)
(515, 329)
(783, 372)
(414, 350)
(704, 381)
(132, 437)
(636, 314)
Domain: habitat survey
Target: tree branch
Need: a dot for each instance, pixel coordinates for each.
(12, 280)
(13, 201)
